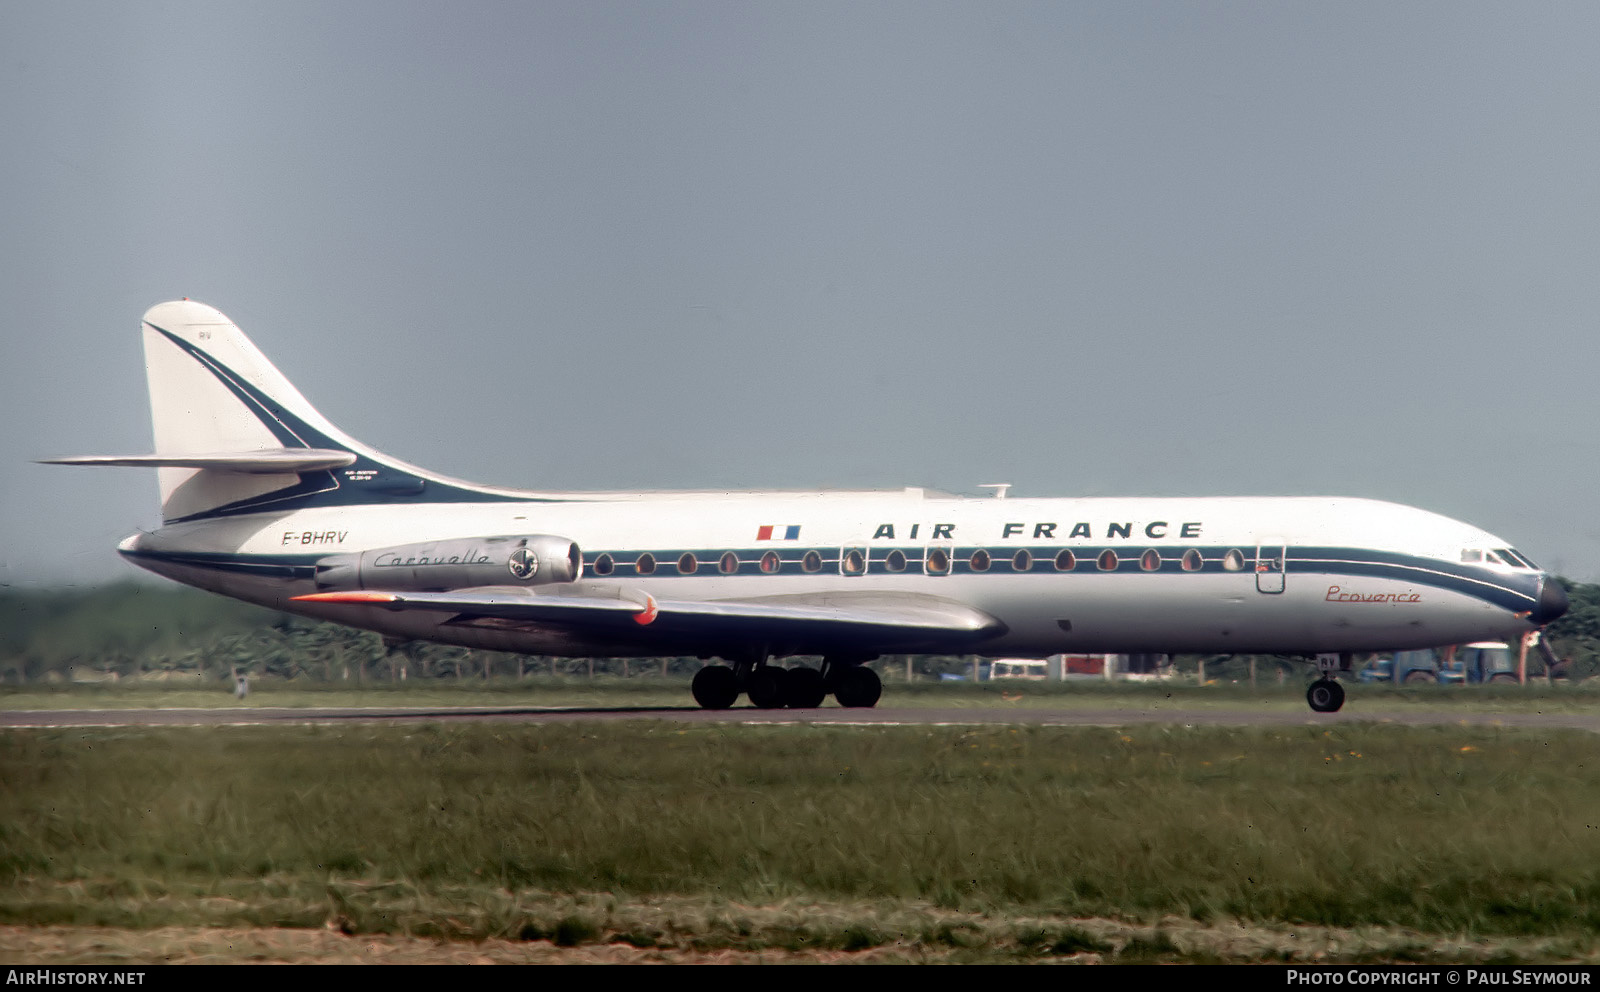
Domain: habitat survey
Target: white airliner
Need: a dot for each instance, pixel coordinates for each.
(263, 499)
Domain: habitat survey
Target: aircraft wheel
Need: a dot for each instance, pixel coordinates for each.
(803, 689)
(766, 687)
(715, 687)
(1417, 678)
(858, 687)
(1325, 696)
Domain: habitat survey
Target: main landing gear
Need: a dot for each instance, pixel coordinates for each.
(1326, 695)
(717, 687)
(859, 686)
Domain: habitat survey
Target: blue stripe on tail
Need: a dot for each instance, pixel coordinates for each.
(367, 481)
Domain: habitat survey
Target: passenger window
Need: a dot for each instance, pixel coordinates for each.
(769, 562)
(729, 563)
(1192, 561)
(1066, 561)
(687, 564)
(604, 565)
(1108, 560)
(853, 562)
(645, 564)
(1233, 561)
(1021, 561)
(895, 561)
(979, 562)
(937, 561)
(812, 562)
(1150, 561)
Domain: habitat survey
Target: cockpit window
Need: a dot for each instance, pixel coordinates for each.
(1514, 557)
(1497, 556)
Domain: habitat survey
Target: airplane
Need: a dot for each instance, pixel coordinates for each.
(265, 500)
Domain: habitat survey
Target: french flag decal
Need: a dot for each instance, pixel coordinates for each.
(791, 532)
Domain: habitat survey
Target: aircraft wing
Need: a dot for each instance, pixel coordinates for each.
(808, 623)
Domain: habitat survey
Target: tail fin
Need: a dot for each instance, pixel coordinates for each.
(232, 435)
(212, 391)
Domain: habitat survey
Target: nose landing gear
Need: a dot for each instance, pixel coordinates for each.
(1326, 695)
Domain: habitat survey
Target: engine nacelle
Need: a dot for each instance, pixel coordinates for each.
(529, 560)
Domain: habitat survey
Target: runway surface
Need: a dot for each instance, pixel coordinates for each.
(826, 716)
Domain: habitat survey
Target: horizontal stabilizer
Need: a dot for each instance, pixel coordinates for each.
(266, 462)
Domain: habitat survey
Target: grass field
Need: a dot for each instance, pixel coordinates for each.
(1354, 843)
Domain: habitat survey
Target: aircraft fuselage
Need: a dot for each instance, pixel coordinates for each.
(1264, 574)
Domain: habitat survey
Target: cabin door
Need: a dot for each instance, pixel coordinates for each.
(1270, 564)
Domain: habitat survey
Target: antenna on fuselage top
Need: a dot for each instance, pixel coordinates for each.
(1000, 488)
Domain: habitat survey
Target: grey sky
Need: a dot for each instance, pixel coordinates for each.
(1109, 248)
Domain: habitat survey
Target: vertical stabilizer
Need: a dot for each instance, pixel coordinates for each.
(233, 436)
(213, 391)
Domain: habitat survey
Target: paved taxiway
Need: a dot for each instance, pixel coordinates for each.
(885, 716)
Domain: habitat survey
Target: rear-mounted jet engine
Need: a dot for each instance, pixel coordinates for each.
(529, 560)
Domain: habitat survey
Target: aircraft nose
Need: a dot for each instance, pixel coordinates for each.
(1552, 601)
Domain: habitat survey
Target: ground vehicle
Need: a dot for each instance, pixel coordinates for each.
(1480, 661)
(1019, 668)
(1486, 661)
(1404, 666)
(1377, 670)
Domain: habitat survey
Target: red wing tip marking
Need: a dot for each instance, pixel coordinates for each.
(649, 613)
(347, 597)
